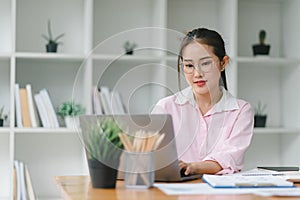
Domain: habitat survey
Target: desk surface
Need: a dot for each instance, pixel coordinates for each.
(79, 188)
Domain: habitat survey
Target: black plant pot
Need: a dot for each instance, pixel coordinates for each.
(129, 52)
(261, 49)
(260, 120)
(102, 176)
(51, 47)
(1, 122)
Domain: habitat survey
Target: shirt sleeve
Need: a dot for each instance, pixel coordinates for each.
(231, 154)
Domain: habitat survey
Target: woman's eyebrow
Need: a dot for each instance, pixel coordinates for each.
(190, 60)
(205, 57)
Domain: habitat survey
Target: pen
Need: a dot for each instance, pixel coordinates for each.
(266, 174)
(245, 184)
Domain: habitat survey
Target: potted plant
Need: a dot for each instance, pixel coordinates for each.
(261, 48)
(103, 149)
(129, 47)
(52, 44)
(260, 117)
(69, 111)
(3, 116)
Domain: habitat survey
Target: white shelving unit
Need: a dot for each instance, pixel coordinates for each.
(92, 54)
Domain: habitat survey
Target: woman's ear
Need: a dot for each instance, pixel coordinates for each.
(224, 62)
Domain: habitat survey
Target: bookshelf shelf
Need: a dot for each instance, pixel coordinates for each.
(50, 56)
(5, 56)
(45, 130)
(122, 57)
(4, 130)
(276, 130)
(269, 61)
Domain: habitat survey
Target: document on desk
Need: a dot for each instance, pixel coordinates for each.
(196, 189)
(205, 189)
(219, 181)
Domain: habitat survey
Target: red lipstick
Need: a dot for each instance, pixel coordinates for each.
(200, 83)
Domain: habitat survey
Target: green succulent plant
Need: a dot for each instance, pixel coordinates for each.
(102, 141)
(69, 108)
(50, 39)
(129, 46)
(262, 37)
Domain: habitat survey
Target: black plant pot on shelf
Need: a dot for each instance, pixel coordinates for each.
(129, 52)
(51, 47)
(102, 176)
(261, 49)
(260, 120)
(1, 122)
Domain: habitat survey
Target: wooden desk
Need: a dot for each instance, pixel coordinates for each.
(79, 188)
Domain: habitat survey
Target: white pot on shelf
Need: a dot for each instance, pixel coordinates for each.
(72, 122)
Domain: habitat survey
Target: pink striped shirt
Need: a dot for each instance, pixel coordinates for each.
(223, 134)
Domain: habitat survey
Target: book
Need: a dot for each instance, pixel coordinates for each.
(42, 111)
(24, 107)
(49, 108)
(29, 187)
(23, 189)
(105, 99)
(15, 184)
(18, 106)
(22, 181)
(32, 107)
(117, 105)
(279, 168)
(18, 180)
(235, 181)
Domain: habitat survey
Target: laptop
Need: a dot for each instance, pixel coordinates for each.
(166, 158)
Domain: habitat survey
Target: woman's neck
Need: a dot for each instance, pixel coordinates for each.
(206, 101)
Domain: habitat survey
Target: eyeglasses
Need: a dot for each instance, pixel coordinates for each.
(203, 65)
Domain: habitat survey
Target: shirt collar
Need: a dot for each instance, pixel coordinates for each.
(226, 103)
(185, 96)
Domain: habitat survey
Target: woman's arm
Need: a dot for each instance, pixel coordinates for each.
(230, 152)
(203, 167)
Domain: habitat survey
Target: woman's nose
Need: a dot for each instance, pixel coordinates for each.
(198, 71)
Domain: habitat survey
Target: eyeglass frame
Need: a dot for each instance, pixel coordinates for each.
(198, 67)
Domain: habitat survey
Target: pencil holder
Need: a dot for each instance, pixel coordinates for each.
(139, 169)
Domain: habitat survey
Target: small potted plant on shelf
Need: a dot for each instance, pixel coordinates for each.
(70, 111)
(261, 48)
(260, 117)
(53, 43)
(129, 47)
(3, 117)
(103, 149)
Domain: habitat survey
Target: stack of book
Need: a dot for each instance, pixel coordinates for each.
(23, 188)
(34, 110)
(106, 101)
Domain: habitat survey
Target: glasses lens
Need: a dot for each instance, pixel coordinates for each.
(188, 68)
(206, 65)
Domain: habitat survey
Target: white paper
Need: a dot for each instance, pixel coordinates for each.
(205, 189)
(196, 189)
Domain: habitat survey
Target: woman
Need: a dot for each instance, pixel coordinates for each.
(213, 129)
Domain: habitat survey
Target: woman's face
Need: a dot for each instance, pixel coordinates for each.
(202, 68)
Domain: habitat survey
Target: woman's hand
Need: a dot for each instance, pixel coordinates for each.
(188, 167)
(202, 167)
